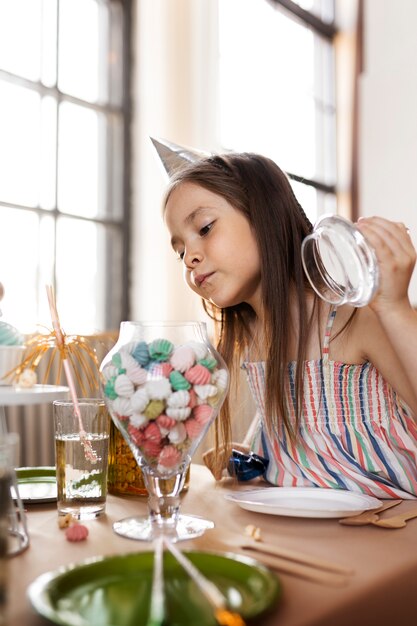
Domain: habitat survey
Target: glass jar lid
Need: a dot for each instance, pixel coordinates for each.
(339, 263)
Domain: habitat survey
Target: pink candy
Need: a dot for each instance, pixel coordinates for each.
(169, 456)
(198, 375)
(76, 532)
(193, 428)
(203, 413)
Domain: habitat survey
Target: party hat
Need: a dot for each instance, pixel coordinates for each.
(175, 157)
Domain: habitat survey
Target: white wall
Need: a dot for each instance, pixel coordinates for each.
(388, 115)
(174, 98)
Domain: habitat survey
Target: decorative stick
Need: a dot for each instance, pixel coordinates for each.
(223, 616)
(90, 454)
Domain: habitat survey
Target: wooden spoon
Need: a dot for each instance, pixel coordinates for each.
(368, 517)
(398, 521)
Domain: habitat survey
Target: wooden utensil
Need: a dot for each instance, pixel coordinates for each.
(397, 521)
(280, 559)
(368, 517)
(215, 597)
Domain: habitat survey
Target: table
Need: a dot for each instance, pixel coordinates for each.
(382, 591)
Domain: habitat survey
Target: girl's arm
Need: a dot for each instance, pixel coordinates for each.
(398, 320)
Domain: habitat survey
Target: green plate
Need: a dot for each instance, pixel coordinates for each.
(115, 591)
(36, 484)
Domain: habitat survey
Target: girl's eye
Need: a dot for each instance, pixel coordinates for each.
(206, 229)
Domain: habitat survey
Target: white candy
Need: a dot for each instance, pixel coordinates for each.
(200, 349)
(179, 414)
(220, 378)
(205, 391)
(139, 400)
(158, 389)
(27, 378)
(126, 360)
(183, 358)
(178, 434)
(110, 371)
(136, 373)
(122, 406)
(137, 420)
(123, 386)
(179, 399)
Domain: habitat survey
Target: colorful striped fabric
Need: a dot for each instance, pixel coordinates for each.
(355, 431)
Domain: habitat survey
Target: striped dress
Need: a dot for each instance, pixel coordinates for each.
(355, 431)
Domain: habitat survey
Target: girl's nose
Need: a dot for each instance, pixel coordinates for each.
(192, 259)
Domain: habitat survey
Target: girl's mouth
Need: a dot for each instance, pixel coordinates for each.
(201, 279)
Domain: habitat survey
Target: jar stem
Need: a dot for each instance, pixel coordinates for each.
(164, 498)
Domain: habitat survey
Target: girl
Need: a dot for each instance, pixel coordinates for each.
(335, 388)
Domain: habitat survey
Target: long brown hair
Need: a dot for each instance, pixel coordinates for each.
(257, 187)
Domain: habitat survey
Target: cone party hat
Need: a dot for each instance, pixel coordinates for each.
(175, 157)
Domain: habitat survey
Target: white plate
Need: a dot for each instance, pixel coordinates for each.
(300, 502)
(12, 396)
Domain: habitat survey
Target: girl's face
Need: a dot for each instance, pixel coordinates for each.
(216, 245)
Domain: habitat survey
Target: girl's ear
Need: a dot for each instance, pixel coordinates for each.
(174, 157)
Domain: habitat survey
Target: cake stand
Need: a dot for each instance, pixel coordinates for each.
(12, 396)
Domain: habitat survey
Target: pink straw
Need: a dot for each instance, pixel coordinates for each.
(90, 454)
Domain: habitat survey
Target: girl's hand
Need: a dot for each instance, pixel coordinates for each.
(396, 257)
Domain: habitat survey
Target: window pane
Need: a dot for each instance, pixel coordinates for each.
(26, 261)
(313, 201)
(48, 153)
(87, 250)
(20, 37)
(49, 41)
(275, 96)
(82, 146)
(19, 145)
(83, 67)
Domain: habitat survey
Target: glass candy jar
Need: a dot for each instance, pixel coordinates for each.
(163, 384)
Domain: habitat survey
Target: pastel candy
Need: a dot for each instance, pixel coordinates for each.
(139, 400)
(179, 414)
(160, 349)
(76, 532)
(151, 448)
(122, 407)
(117, 360)
(141, 353)
(199, 348)
(205, 391)
(198, 375)
(110, 371)
(136, 373)
(193, 398)
(159, 370)
(193, 428)
(183, 358)
(178, 399)
(154, 408)
(152, 432)
(136, 435)
(178, 434)
(158, 389)
(123, 386)
(209, 362)
(165, 423)
(138, 420)
(109, 389)
(220, 378)
(203, 413)
(9, 335)
(169, 457)
(178, 381)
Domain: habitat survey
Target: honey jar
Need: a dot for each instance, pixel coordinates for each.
(124, 474)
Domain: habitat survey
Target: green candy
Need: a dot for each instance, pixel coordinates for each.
(117, 360)
(109, 389)
(178, 381)
(160, 349)
(209, 362)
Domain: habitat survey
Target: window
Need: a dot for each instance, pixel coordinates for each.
(64, 166)
(277, 90)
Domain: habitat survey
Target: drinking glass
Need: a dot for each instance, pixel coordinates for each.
(339, 263)
(163, 383)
